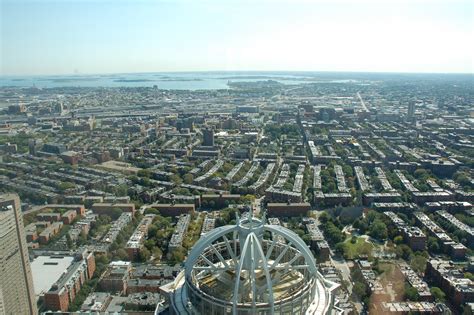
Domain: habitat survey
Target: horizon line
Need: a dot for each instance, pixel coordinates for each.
(237, 71)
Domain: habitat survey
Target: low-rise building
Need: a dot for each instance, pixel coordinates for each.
(405, 207)
(220, 199)
(63, 292)
(49, 232)
(333, 199)
(383, 197)
(369, 277)
(180, 230)
(450, 219)
(454, 249)
(49, 217)
(288, 209)
(109, 208)
(68, 217)
(412, 235)
(318, 242)
(448, 205)
(115, 278)
(143, 285)
(172, 209)
(96, 302)
(135, 243)
(410, 307)
(449, 278)
(280, 195)
(416, 282)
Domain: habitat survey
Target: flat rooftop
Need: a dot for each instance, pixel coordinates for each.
(47, 270)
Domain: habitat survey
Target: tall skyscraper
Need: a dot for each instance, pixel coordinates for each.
(208, 135)
(17, 295)
(411, 110)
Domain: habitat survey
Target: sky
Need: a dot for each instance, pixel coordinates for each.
(87, 37)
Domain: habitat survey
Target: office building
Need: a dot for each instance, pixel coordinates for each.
(16, 282)
(208, 137)
(411, 110)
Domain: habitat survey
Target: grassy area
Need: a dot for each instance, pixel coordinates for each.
(360, 247)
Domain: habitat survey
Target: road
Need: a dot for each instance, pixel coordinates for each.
(341, 265)
(364, 107)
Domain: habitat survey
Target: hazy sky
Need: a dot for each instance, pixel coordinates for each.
(66, 36)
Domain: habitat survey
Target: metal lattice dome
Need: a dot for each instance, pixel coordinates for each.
(252, 268)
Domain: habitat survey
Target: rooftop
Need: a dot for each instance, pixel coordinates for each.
(47, 270)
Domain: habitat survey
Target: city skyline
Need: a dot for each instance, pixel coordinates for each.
(91, 37)
(244, 157)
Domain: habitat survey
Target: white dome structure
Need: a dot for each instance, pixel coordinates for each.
(250, 268)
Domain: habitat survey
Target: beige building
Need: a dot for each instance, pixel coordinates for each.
(17, 295)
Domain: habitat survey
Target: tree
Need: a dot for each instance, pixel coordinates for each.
(403, 251)
(462, 178)
(347, 169)
(82, 239)
(121, 190)
(69, 241)
(122, 254)
(188, 178)
(152, 230)
(372, 216)
(104, 219)
(149, 244)
(177, 255)
(398, 239)
(144, 173)
(324, 217)
(101, 263)
(144, 255)
(333, 233)
(411, 293)
(438, 294)
(469, 276)
(115, 213)
(176, 179)
(340, 247)
(378, 230)
(360, 289)
(248, 199)
(361, 225)
(418, 263)
(421, 174)
(119, 239)
(157, 252)
(433, 245)
(66, 185)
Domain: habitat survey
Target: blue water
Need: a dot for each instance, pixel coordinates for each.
(179, 81)
(216, 80)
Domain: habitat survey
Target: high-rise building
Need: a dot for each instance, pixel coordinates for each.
(411, 110)
(17, 295)
(34, 145)
(208, 135)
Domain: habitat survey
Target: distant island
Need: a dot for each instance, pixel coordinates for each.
(133, 80)
(180, 79)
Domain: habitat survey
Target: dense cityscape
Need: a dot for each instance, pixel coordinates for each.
(343, 193)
